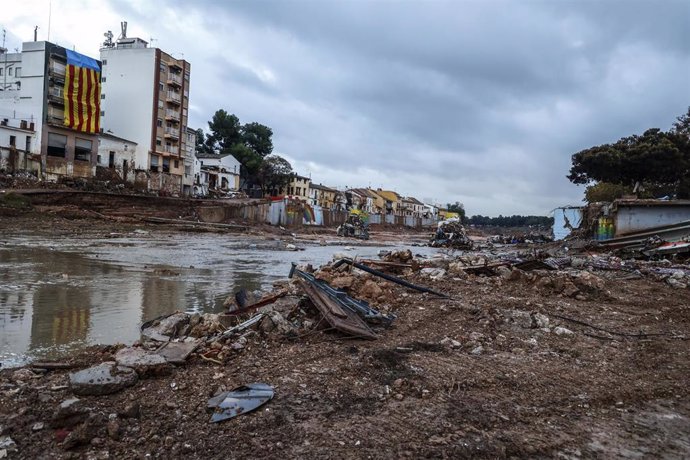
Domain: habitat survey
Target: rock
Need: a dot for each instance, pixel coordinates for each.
(370, 290)
(146, 364)
(132, 410)
(521, 318)
(562, 331)
(452, 343)
(23, 374)
(290, 247)
(275, 321)
(343, 282)
(476, 336)
(477, 351)
(163, 329)
(433, 273)
(84, 433)
(38, 426)
(113, 428)
(106, 378)
(70, 412)
(540, 321)
(168, 441)
(178, 352)
(504, 272)
(7, 444)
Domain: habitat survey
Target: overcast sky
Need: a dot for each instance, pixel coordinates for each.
(481, 102)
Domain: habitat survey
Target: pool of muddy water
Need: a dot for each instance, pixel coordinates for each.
(60, 294)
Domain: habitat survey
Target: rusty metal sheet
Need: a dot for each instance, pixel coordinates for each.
(342, 319)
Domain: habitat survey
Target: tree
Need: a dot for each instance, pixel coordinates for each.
(605, 191)
(258, 138)
(682, 124)
(225, 132)
(659, 160)
(200, 144)
(274, 173)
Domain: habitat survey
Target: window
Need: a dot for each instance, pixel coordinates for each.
(18, 72)
(158, 141)
(102, 95)
(13, 141)
(57, 145)
(82, 149)
(163, 67)
(99, 159)
(102, 79)
(160, 87)
(166, 165)
(154, 163)
(9, 71)
(177, 164)
(111, 159)
(1, 70)
(104, 62)
(160, 122)
(160, 104)
(102, 113)
(28, 143)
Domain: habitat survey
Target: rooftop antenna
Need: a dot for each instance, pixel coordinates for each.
(108, 43)
(151, 39)
(50, 11)
(36, 33)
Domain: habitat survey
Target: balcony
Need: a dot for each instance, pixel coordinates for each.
(175, 65)
(172, 115)
(56, 95)
(174, 79)
(173, 97)
(171, 149)
(55, 116)
(57, 70)
(172, 133)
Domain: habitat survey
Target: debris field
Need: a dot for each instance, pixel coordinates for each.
(526, 351)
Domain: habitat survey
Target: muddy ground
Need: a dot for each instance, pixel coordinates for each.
(493, 372)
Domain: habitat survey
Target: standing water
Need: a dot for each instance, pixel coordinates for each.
(61, 294)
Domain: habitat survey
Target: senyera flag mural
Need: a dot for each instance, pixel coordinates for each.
(82, 93)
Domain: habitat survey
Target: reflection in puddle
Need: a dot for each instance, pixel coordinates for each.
(65, 293)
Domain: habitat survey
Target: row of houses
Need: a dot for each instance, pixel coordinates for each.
(371, 201)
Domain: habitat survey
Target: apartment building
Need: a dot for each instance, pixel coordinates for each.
(54, 94)
(145, 98)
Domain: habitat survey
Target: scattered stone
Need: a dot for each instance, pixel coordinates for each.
(343, 282)
(477, 351)
(23, 374)
(70, 412)
(132, 410)
(433, 273)
(7, 444)
(113, 428)
(541, 321)
(163, 329)
(178, 352)
(38, 426)
(562, 331)
(106, 378)
(370, 290)
(146, 364)
(452, 343)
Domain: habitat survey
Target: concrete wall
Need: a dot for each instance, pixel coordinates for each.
(124, 152)
(632, 218)
(128, 103)
(566, 220)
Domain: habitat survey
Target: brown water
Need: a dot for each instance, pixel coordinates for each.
(63, 294)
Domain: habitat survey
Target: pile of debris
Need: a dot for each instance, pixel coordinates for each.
(354, 227)
(451, 234)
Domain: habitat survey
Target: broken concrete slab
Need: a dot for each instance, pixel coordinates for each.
(146, 364)
(106, 378)
(177, 352)
(69, 413)
(165, 328)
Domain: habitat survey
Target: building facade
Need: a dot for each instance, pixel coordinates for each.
(145, 98)
(55, 93)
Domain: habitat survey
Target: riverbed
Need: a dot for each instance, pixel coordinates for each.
(62, 293)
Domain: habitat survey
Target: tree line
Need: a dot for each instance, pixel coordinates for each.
(511, 221)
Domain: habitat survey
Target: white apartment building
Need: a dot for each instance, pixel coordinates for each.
(145, 98)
